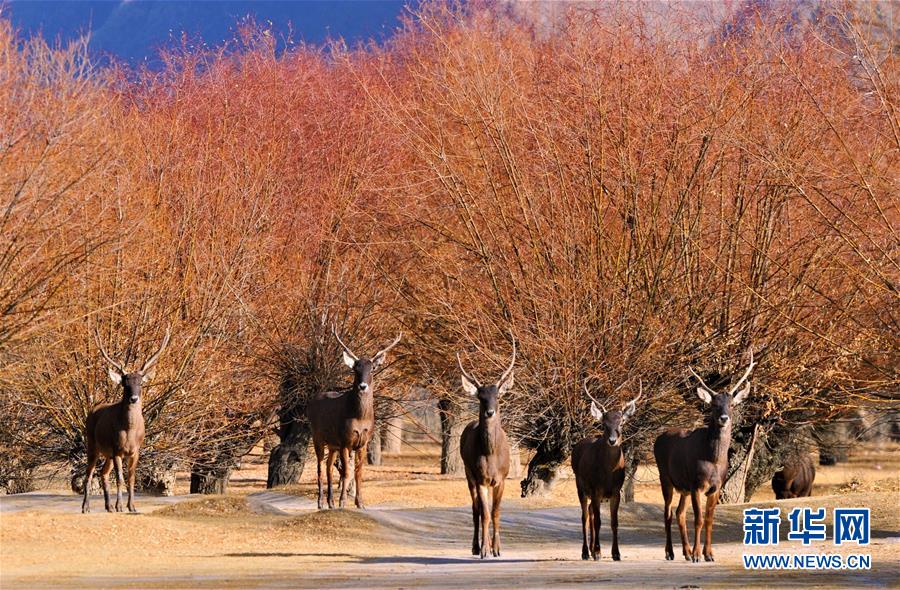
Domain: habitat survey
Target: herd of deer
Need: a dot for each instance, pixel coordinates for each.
(691, 462)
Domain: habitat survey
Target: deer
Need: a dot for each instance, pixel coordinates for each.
(344, 421)
(115, 431)
(695, 462)
(484, 450)
(795, 479)
(599, 466)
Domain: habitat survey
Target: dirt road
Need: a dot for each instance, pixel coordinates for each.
(272, 539)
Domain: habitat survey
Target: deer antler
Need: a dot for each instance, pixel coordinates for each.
(465, 373)
(700, 379)
(152, 360)
(640, 392)
(744, 377)
(384, 350)
(117, 366)
(341, 342)
(588, 393)
(512, 363)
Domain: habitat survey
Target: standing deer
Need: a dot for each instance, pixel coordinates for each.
(344, 421)
(485, 454)
(695, 462)
(599, 466)
(795, 480)
(116, 431)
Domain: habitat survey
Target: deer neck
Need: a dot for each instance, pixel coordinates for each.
(131, 414)
(490, 433)
(362, 404)
(719, 439)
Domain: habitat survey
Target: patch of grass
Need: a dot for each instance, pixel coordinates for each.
(331, 524)
(209, 507)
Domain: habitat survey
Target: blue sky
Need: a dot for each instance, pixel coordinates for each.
(135, 29)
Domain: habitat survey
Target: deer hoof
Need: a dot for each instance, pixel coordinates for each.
(670, 557)
(709, 557)
(616, 557)
(476, 550)
(584, 554)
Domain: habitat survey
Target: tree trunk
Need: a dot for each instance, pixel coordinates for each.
(515, 462)
(159, 479)
(734, 489)
(451, 430)
(631, 464)
(373, 452)
(833, 443)
(542, 471)
(287, 460)
(392, 435)
(209, 480)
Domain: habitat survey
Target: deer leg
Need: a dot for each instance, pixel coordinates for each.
(585, 523)
(595, 527)
(485, 516)
(667, 518)
(91, 465)
(104, 479)
(328, 472)
(682, 526)
(495, 517)
(476, 516)
(711, 502)
(357, 472)
(118, 463)
(132, 471)
(320, 471)
(614, 524)
(698, 524)
(345, 475)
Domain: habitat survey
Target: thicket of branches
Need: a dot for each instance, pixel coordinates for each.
(628, 198)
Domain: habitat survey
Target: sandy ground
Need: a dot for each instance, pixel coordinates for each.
(417, 533)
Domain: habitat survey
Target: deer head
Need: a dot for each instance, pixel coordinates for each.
(131, 382)
(611, 423)
(722, 403)
(363, 368)
(488, 395)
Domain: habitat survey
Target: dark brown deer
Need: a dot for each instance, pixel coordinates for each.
(695, 462)
(484, 449)
(795, 480)
(344, 421)
(116, 431)
(599, 467)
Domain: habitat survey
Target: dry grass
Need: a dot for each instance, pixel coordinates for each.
(215, 507)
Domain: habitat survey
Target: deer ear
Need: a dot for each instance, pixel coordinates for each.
(704, 395)
(349, 360)
(148, 375)
(630, 409)
(468, 386)
(115, 376)
(596, 412)
(741, 395)
(378, 359)
(506, 385)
